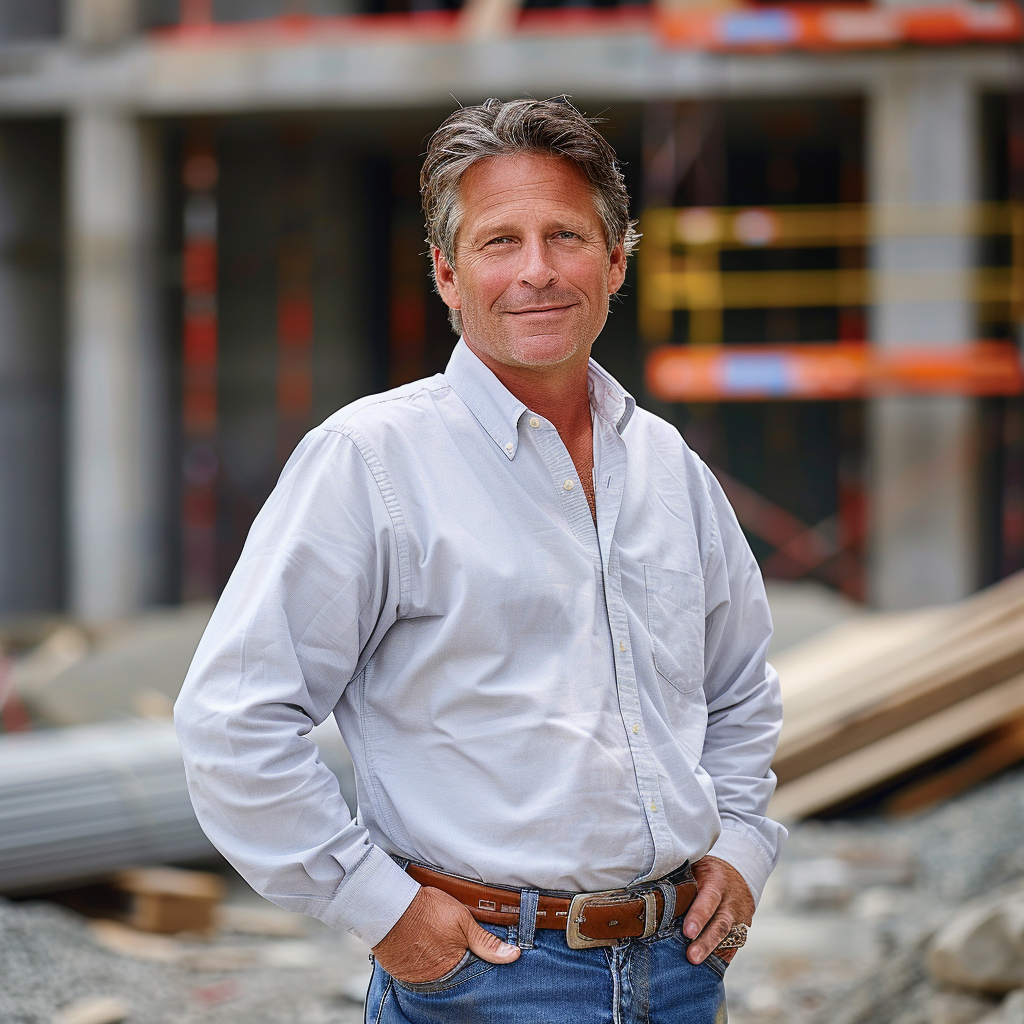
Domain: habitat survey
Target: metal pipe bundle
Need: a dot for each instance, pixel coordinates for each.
(79, 802)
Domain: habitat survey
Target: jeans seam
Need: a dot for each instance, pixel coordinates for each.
(384, 998)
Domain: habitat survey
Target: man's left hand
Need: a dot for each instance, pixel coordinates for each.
(723, 899)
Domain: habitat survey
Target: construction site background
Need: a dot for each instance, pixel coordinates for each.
(210, 239)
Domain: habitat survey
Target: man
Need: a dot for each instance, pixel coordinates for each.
(537, 623)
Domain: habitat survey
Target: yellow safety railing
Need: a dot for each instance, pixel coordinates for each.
(680, 261)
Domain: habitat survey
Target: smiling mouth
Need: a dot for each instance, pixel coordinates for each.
(545, 309)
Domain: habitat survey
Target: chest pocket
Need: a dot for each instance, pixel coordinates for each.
(675, 619)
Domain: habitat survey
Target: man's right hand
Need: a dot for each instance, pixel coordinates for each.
(432, 936)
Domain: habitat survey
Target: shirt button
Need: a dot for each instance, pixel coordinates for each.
(534, 422)
(636, 728)
(509, 447)
(568, 485)
(622, 647)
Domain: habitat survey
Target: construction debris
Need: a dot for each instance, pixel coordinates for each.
(265, 920)
(878, 696)
(120, 938)
(80, 674)
(170, 900)
(94, 1010)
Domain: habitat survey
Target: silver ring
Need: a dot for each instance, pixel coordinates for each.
(734, 938)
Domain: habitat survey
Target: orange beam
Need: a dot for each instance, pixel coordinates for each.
(679, 373)
(841, 26)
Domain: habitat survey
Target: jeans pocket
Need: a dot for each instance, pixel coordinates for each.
(712, 962)
(470, 966)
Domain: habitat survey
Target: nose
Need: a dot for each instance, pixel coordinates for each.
(535, 268)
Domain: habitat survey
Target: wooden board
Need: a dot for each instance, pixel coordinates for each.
(860, 770)
(1002, 748)
(977, 645)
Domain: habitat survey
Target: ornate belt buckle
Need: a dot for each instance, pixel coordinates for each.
(609, 898)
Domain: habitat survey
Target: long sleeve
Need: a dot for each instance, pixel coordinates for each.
(315, 589)
(744, 701)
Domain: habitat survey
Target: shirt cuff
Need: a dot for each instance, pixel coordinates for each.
(743, 848)
(372, 898)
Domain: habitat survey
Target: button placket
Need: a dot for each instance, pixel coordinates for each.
(629, 706)
(574, 500)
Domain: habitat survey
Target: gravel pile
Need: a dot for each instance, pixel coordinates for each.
(960, 850)
(50, 958)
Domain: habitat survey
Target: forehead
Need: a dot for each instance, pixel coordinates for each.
(524, 184)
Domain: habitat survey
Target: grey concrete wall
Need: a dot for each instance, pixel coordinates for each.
(31, 526)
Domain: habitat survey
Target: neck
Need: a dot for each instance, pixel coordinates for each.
(558, 393)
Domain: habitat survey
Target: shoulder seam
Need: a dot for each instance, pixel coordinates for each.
(382, 399)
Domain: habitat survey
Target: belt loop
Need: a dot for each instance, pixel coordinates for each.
(528, 900)
(668, 896)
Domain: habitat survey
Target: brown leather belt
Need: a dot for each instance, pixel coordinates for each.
(588, 919)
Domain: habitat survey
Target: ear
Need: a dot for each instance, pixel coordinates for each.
(616, 268)
(444, 273)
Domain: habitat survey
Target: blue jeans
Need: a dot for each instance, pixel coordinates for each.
(642, 981)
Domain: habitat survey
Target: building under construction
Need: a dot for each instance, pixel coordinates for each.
(211, 239)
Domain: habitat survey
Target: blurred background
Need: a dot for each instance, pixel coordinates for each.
(210, 239)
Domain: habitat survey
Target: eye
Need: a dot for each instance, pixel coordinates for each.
(500, 240)
(567, 234)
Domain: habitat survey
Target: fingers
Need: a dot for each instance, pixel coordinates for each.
(704, 905)
(487, 946)
(705, 944)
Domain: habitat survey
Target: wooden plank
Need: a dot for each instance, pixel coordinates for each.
(170, 900)
(846, 648)
(979, 663)
(872, 764)
(1005, 747)
(864, 681)
(948, 657)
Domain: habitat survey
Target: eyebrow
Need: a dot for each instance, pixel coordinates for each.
(501, 229)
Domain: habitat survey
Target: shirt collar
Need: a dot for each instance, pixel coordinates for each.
(498, 410)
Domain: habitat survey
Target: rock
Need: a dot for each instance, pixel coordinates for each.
(1011, 1010)
(957, 1008)
(94, 1010)
(982, 946)
(833, 881)
(291, 955)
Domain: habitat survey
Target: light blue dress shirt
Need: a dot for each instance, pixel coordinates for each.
(528, 699)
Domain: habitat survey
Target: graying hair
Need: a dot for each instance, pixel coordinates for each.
(551, 127)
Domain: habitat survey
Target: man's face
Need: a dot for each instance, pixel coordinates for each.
(532, 270)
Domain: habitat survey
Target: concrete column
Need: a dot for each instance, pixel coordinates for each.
(115, 391)
(923, 149)
(98, 23)
(31, 530)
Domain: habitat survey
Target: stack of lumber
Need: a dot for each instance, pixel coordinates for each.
(880, 695)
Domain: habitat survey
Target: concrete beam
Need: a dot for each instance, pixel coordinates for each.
(114, 386)
(373, 69)
(923, 146)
